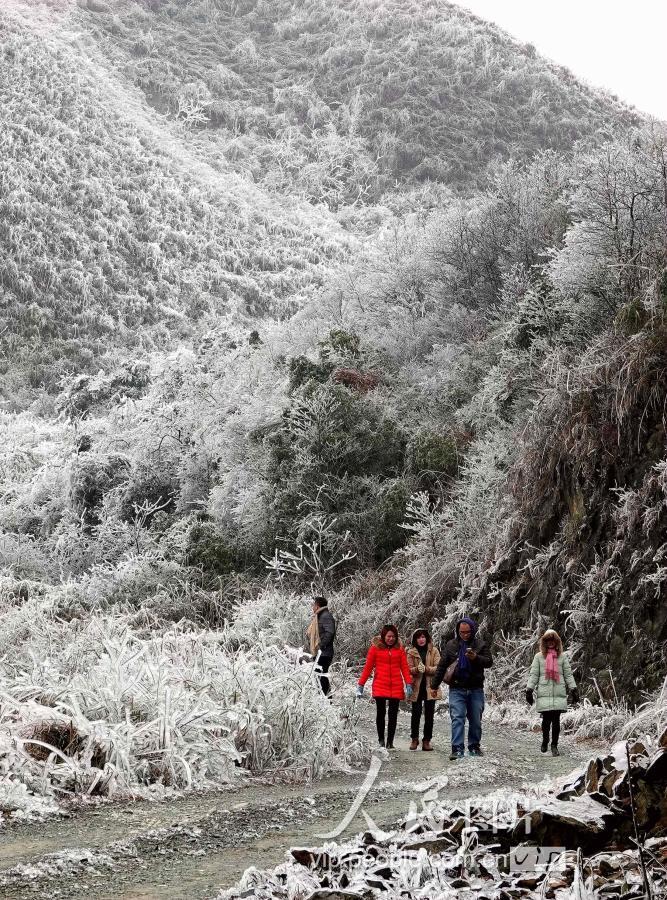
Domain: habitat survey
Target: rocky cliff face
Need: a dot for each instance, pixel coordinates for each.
(587, 544)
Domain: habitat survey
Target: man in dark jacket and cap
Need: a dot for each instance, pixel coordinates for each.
(321, 633)
(466, 692)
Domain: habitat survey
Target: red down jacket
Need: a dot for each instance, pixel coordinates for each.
(390, 669)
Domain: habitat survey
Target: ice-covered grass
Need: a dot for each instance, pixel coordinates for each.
(94, 706)
(649, 718)
(585, 721)
(590, 721)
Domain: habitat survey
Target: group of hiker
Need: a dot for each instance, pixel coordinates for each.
(416, 673)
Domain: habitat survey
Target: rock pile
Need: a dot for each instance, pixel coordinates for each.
(606, 800)
(577, 841)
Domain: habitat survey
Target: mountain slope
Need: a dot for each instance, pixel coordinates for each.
(170, 166)
(112, 232)
(418, 90)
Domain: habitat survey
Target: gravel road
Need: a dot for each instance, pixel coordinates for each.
(193, 847)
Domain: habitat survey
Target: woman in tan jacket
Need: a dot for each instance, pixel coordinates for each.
(423, 659)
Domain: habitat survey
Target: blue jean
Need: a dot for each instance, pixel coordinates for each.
(466, 703)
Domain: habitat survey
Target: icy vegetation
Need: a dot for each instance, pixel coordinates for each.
(170, 166)
(330, 296)
(104, 707)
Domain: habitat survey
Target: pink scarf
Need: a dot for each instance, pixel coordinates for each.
(552, 671)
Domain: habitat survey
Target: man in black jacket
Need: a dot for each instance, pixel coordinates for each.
(466, 692)
(322, 639)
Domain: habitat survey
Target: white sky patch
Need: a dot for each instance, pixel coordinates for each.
(616, 45)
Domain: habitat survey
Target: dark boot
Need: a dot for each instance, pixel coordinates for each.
(414, 744)
(554, 750)
(426, 745)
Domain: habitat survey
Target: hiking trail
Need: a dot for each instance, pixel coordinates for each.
(195, 846)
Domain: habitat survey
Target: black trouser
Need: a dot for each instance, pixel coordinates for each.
(415, 719)
(551, 720)
(380, 713)
(324, 662)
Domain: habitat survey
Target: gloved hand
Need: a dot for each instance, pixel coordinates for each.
(359, 691)
(575, 696)
(529, 696)
(421, 668)
(408, 691)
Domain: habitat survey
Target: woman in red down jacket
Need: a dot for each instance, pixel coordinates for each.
(388, 662)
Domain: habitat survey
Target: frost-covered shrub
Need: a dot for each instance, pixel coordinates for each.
(273, 617)
(222, 78)
(246, 53)
(25, 556)
(93, 476)
(435, 457)
(433, 454)
(448, 537)
(303, 370)
(113, 712)
(127, 582)
(83, 393)
(360, 607)
(209, 550)
(145, 492)
(331, 455)
(649, 717)
(374, 511)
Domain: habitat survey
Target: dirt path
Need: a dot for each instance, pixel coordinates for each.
(192, 848)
